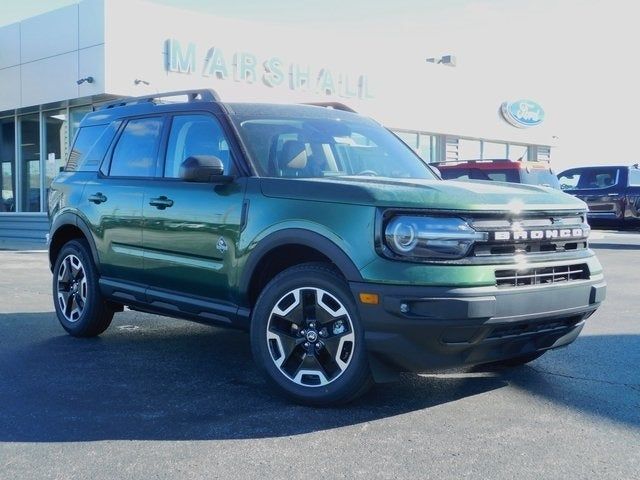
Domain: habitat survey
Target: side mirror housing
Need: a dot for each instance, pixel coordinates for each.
(203, 169)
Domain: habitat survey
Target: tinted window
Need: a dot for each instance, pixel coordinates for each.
(137, 149)
(286, 146)
(193, 135)
(455, 173)
(634, 177)
(502, 175)
(540, 176)
(589, 178)
(569, 179)
(505, 175)
(90, 146)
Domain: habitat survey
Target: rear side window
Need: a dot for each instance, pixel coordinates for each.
(542, 177)
(506, 175)
(136, 152)
(90, 146)
(634, 177)
(455, 173)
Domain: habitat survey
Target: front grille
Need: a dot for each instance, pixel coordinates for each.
(533, 327)
(531, 225)
(541, 275)
(602, 208)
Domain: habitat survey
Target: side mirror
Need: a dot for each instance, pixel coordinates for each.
(203, 168)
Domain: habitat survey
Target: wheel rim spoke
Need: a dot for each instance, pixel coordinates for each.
(308, 305)
(72, 288)
(310, 336)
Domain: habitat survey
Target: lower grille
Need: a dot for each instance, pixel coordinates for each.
(542, 275)
(533, 327)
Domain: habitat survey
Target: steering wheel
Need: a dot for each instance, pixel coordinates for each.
(370, 173)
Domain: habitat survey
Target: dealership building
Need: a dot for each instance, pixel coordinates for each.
(56, 67)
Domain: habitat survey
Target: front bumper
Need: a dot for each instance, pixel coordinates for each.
(421, 329)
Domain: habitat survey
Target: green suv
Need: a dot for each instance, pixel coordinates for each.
(318, 231)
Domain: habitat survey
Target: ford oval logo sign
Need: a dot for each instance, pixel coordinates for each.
(523, 113)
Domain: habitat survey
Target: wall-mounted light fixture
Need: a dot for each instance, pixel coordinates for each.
(85, 79)
(139, 81)
(448, 60)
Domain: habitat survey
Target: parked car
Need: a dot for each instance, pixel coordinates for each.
(317, 230)
(500, 170)
(611, 192)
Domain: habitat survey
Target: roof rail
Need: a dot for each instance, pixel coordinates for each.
(333, 105)
(202, 95)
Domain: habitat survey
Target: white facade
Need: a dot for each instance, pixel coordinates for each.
(135, 48)
(117, 43)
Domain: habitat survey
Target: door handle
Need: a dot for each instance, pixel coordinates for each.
(97, 198)
(161, 202)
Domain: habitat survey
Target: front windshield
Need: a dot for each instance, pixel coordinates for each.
(325, 147)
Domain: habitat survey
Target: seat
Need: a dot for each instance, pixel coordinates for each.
(292, 159)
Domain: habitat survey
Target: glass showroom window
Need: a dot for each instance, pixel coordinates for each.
(468, 149)
(56, 135)
(426, 148)
(76, 114)
(7, 165)
(30, 162)
(409, 138)
(494, 151)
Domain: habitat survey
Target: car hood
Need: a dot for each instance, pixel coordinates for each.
(421, 193)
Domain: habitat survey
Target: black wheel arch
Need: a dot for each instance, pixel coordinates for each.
(296, 237)
(65, 227)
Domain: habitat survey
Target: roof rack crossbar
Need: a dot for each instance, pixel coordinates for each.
(334, 105)
(201, 95)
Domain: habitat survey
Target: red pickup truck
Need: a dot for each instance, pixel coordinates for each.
(500, 170)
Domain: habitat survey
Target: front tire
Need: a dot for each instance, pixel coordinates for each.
(80, 307)
(307, 337)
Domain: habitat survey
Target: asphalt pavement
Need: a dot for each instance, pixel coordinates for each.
(155, 397)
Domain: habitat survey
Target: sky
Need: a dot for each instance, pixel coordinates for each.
(582, 54)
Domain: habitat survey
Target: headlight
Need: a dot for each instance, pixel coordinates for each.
(441, 238)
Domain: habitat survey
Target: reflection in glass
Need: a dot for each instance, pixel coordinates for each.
(56, 134)
(76, 114)
(409, 138)
(425, 147)
(7, 165)
(30, 160)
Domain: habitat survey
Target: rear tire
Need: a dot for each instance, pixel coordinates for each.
(307, 337)
(80, 307)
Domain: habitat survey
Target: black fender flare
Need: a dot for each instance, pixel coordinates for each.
(69, 218)
(298, 236)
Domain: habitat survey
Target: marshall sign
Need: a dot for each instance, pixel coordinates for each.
(272, 72)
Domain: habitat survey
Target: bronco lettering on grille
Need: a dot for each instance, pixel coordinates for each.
(547, 234)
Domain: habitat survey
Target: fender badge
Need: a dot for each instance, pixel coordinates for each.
(222, 245)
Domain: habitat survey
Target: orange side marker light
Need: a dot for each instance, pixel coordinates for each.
(370, 298)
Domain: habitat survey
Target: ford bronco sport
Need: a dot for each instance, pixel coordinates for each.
(318, 231)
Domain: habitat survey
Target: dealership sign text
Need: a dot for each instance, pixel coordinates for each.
(272, 72)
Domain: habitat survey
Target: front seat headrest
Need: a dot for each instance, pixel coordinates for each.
(293, 155)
